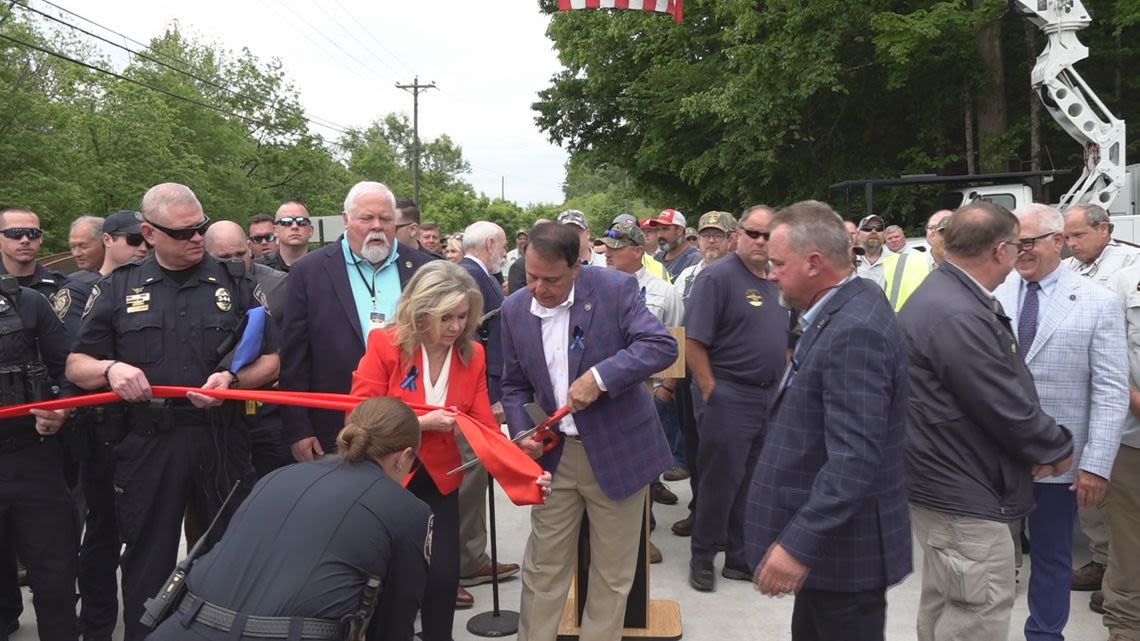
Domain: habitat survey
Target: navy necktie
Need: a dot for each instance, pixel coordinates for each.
(1027, 320)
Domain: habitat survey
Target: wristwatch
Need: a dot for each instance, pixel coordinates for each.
(234, 381)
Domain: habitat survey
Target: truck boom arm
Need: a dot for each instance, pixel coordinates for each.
(1072, 103)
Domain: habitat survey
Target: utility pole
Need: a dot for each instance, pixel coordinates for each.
(415, 88)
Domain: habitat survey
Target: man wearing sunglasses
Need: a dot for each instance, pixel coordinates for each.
(736, 345)
(167, 320)
(262, 235)
(294, 229)
(20, 240)
(869, 264)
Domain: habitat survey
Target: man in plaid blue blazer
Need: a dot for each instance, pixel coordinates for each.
(1071, 332)
(827, 515)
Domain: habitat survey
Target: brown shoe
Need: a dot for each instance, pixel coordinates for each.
(463, 599)
(654, 553)
(1088, 577)
(506, 570)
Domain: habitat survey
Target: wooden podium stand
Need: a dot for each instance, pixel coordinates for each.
(645, 619)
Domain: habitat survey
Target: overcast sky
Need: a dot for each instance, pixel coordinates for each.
(488, 57)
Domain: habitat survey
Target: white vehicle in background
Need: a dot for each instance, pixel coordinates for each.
(1105, 178)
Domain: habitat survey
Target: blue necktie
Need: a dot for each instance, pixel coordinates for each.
(1027, 320)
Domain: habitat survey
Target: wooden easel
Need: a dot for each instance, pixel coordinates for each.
(645, 619)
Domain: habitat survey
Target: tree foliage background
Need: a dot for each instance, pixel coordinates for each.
(771, 101)
(77, 141)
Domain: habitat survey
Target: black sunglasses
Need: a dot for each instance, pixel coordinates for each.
(870, 228)
(755, 233)
(134, 240)
(16, 233)
(263, 238)
(287, 221)
(186, 233)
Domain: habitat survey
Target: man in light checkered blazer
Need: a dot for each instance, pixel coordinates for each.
(1071, 332)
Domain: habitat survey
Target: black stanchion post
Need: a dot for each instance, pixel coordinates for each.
(496, 623)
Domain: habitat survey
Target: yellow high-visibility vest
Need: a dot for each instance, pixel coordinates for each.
(903, 273)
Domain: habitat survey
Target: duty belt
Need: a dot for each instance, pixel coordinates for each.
(196, 610)
(732, 378)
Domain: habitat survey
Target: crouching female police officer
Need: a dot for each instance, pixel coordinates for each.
(305, 551)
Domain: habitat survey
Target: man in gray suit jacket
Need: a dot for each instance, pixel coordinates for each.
(978, 437)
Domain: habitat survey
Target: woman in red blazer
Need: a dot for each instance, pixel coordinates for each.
(428, 356)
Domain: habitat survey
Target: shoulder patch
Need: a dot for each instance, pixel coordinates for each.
(259, 296)
(95, 291)
(427, 538)
(61, 302)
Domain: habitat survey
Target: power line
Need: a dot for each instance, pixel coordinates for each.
(320, 122)
(171, 94)
(334, 43)
(353, 36)
(373, 37)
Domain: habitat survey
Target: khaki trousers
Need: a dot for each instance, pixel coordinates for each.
(1094, 526)
(472, 514)
(967, 576)
(552, 553)
(1122, 576)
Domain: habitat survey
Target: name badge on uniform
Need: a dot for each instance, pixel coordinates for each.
(375, 321)
(138, 302)
(754, 298)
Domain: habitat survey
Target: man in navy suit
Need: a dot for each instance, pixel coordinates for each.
(338, 294)
(827, 512)
(485, 253)
(581, 337)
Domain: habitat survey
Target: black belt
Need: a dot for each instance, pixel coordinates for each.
(200, 611)
(733, 378)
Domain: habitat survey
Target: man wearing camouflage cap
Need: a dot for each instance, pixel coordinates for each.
(586, 255)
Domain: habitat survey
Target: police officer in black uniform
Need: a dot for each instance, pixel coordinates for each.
(168, 320)
(302, 548)
(21, 238)
(36, 509)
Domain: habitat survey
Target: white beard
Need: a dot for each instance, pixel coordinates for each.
(375, 253)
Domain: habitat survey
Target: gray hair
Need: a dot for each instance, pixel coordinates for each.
(1094, 214)
(95, 223)
(478, 233)
(1051, 220)
(891, 229)
(163, 196)
(814, 226)
(368, 187)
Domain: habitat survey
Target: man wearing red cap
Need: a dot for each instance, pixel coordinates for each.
(675, 253)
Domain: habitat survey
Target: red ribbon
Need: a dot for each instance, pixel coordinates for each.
(512, 468)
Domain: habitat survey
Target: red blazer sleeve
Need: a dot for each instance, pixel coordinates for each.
(480, 402)
(373, 375)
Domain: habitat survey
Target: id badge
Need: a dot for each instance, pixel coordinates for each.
(375, 321)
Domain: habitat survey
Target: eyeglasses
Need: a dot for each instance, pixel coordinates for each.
(871, 228)
(257, 239)
(287, 221)
(712, 235)
(755, 233)
(186, 233)
(134, 240)
(16, 233)
(1027, 244)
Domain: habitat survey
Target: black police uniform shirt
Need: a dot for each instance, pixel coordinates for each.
(169, 324)
(308, 537)
(738, 318)
(67, 297)
(35, 331)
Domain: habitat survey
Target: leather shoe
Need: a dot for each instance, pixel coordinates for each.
(506, 570)
(735, 574)
(675, 473)
(662, 494)
(1096, 602)
(654, 553)
(684, 527)
(1088, 577)
(701, 576)
(463, 599)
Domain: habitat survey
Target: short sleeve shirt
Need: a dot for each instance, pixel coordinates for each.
(737, 317)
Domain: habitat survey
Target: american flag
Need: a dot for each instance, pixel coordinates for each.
(672, 7)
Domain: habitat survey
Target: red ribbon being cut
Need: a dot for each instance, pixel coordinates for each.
(512, 468)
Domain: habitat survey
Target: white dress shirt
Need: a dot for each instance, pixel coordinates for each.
(436, 393)
(555, 345)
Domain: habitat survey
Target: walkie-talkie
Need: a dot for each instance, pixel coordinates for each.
(158, 608)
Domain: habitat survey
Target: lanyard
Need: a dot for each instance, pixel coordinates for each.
(371, 287)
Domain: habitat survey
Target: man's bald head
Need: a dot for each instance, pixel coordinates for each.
(226, 239)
